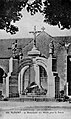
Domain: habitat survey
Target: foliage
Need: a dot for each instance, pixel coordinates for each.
(35, 6)
(10, 12)
(56, 12)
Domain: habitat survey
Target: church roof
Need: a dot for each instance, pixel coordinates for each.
(63, 38)
(6, 44)
(43, 40)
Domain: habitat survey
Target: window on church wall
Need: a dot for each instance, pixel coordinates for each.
(54, 65)
(69, 74)
(1, 75)
(43, 77)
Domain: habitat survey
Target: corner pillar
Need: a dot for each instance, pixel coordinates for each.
(66, 89)
(7, 85)
(51, 79)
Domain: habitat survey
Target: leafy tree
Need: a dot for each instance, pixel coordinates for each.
(10, 12)
(56, 12)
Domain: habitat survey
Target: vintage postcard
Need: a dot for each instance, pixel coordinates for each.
(35, 62)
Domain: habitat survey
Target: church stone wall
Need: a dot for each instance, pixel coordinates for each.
(13, 79)
(61, 67)
(15, 66)
(4, 63)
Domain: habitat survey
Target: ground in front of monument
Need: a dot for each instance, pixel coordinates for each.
(33, 110)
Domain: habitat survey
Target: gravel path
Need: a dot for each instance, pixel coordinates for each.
(35, 110)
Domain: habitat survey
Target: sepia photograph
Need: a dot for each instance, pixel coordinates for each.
(35, 59)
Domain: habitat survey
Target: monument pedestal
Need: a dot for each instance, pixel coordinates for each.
(12, 79)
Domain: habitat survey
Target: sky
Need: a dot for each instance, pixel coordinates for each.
(27, 23)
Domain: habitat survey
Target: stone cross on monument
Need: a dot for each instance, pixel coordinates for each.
(34, 33)
(43, 28)
(16, 52)
(13, 48)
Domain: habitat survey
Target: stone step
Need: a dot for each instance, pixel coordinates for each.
(38, 99)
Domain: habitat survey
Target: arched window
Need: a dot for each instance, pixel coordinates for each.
(43, 77)
(1, 75)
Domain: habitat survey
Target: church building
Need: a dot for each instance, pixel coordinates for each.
(39, 66)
